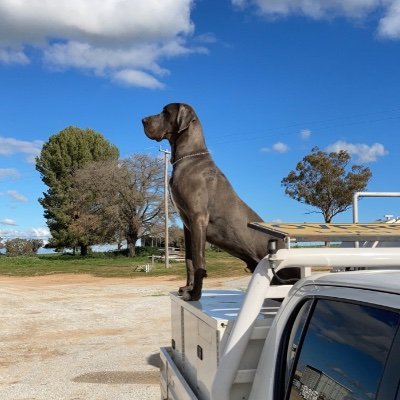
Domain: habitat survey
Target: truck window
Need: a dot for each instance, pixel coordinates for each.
(295, 336)
(343, 352)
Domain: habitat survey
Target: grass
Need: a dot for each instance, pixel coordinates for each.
(219, 264)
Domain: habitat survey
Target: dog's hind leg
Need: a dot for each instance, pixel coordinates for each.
(188, 261)
(251, 264)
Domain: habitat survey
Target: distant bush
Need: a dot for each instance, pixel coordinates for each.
(140, 251)
(146, 251)
(22, 247)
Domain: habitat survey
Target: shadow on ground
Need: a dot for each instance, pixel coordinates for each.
(119, 377)
(154, 360)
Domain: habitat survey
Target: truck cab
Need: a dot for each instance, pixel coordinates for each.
(335, 337)
(329, 336)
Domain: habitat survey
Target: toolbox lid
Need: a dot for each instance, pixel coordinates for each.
(216, 306)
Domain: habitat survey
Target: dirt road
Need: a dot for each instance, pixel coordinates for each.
(80, 337)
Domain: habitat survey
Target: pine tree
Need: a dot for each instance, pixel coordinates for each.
(64, 154)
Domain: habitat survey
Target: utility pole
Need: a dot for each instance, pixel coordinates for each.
(166, 240)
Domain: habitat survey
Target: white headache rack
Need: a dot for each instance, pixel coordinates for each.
(357, 195)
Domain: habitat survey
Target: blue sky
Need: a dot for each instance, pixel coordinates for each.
(268, 79)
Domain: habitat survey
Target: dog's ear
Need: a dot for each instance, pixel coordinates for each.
(185, 116)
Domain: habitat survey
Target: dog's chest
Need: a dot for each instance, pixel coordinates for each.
(175, 192)
(171, 196)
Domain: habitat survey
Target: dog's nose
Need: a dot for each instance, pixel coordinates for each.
(144, 120)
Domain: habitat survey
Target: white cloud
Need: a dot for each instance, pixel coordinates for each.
(95, 20)
(362, 152)
(137, 78)
(278, 147)
(102, 59)
(387, 12)
(31, 233)
(305, 134)
(389, 25)
(208, 37)
(8, 173)
(8, 221)
(313, 8)
(16, 196)
(13, 56)
(277, 221)
(39, 233)
(107, 37)
(9, 146)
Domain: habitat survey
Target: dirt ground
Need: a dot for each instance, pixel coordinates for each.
(79, 337)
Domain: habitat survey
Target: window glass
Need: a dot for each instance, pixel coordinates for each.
(343, 353)
(295, 337)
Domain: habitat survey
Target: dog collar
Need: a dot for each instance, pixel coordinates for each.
(188, 156)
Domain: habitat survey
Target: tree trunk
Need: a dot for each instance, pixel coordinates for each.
(131, 240)
(84, 250)
(328, 221)
(131, 250)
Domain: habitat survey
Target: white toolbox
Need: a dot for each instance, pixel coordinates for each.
(200, 330)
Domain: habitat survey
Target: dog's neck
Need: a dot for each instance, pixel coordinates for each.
(188, 142)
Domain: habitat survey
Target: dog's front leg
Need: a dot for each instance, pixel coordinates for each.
(198, 230)
(188, 261)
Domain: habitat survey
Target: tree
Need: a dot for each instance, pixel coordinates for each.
(322, 181)
(176, 236)
(122, 198)
(94, 195)
(22, 247)
(156, 236)
(60, 158)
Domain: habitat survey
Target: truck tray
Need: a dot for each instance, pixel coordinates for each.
(200, 330)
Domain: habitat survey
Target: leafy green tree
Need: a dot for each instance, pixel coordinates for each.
(326, 181)
(64, 154)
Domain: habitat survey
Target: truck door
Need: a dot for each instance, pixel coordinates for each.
(341, 350)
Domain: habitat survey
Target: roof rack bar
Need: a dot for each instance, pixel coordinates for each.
(315, 232)
(357, 195)
(337, 257)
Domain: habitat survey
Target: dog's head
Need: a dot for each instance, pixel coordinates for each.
(174, 119)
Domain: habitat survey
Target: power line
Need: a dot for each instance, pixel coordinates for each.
(245, 136)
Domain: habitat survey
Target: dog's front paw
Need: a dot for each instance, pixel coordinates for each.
(195, 296)
(184, 289)
(186, 296)
(191, 296)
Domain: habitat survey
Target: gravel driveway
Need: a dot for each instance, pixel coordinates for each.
(79, 337)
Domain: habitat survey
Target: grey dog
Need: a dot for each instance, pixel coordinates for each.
(209, 207)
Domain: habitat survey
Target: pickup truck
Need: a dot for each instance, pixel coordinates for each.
(329, 336)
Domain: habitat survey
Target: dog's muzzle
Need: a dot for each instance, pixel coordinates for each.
(148, 130)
